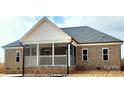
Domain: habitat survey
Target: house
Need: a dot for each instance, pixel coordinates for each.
(48, 49)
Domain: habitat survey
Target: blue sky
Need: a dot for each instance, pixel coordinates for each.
(14, 27)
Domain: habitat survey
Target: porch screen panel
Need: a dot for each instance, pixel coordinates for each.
(27, 56)
(45, 57)
(30, 55)
(60, 57)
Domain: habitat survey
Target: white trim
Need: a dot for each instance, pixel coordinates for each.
(37, 54)
(74, 43)
(53, 54)
(46, 42)
(69, 55)
(19, 56)
(46, 56)
(51, 65)
(105, 54)
(60, 55)
(116, 43)
(14, 48)
(47, 66)
(83, 55)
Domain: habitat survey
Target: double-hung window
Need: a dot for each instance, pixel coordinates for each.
(18, 55)
(85, 55)
(105, 54)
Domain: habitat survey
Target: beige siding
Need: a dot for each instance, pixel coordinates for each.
(95, 57)
(46, 33)
(11, 66)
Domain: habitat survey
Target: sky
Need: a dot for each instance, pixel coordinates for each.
(12, 28)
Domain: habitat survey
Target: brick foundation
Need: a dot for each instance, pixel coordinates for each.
(47, 70)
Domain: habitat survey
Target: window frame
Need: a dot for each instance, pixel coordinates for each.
(105, 54)
(85, 61)
(18, 56)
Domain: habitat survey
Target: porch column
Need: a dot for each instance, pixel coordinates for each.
(37, 54)
(52, 54)
(68, 54)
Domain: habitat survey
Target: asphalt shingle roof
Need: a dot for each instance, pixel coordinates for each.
(82, 34)
(85, 34)
(13, 44)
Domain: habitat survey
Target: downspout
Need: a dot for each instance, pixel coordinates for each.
(23, 60)
(67, 56)
(67, 60)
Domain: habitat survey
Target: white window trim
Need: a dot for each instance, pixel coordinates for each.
(19, 56)
(105, 54)
(83, 55)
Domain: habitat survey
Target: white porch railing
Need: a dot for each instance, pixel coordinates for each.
(59, 60)
(45, 60)
(30, 61)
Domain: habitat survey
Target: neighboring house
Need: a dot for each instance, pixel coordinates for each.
(48, 49)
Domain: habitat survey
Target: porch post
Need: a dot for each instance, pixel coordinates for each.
(68, 54)
(52, 54)
(37, 54)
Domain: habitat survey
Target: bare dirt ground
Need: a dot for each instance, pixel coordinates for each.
(96, 73)
(84, 73)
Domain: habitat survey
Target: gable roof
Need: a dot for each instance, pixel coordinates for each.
(85, 34)
(82, 34)
(13, 44)
(40, 23)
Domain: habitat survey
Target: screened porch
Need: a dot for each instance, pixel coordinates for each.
(54, 54)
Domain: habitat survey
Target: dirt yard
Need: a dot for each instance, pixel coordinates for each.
(97, 74)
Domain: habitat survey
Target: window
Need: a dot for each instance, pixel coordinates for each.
(105, 54)
(18, 56)
(85, 55)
